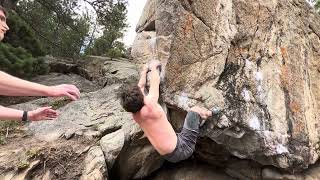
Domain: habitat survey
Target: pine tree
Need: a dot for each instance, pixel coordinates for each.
(112, 18)
(19, 62)
(21, 35)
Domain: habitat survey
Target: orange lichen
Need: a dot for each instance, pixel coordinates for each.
(239, 51)
(295, 107)
(285, 76)
(284, 53)
(298, 127)
(187, 28)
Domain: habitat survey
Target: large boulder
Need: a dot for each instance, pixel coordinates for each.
(83, 117)
(258, 60)
(95, 114)
(187, 170)
(111, 145)
(52, 79)
(147, 19)
(137, 160)
(95, 165)
(99, 116)
(100, 70)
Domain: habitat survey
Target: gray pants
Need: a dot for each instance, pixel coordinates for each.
(186, 139)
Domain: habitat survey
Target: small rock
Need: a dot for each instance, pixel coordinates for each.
(69, 134)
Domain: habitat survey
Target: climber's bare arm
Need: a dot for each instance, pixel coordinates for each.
(143, 79)
(154, 82)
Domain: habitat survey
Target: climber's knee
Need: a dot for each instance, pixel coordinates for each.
(192, 121)
(186, 141)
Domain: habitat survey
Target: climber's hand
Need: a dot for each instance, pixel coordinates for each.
(154, 64)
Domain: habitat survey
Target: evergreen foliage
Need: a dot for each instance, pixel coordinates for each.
(59, 28)
(21, 35)
(112, 18)
(21, 51)
(18, 62)
(317, 5)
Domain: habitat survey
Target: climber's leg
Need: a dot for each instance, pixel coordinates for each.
(186, 139)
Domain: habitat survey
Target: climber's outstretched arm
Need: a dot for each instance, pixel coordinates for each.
(143, 79)
(154, 82)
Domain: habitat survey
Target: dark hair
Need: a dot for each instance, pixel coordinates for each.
(3, 10)
(131, 98)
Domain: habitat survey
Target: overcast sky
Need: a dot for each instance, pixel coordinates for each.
(135, 8)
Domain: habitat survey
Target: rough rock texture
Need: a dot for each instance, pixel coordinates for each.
(214, 154)
(51, 79)
(188, 171)
(258, 60)
(30, 158)
(13, 175)
(94, 115)
(147, 19)
(100, 70)
(95, 165)
(143, 49)
(117, 71)
(111, 145)
(82, 117)
(137, 160)
(98, 115)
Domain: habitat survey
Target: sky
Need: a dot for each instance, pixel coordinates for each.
(135, 8)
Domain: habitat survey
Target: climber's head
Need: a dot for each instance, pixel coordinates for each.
(3, 23)
(3, 10)
(131, 98)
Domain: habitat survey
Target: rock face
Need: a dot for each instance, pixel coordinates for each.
(52, 79)
(98, 115)
(96, 167)
(100, 70)
(111, 145)
(187, 170)
(137, 160)
(258, 60)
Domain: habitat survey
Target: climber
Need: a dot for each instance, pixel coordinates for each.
(13, 86)
(174, 147)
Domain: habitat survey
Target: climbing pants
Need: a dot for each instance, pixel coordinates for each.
(186, 139)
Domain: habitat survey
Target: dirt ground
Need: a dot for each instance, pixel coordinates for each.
(61, 159)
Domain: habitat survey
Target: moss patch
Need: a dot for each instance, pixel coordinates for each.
(23, 164)
(8, 128)
(59, 103)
